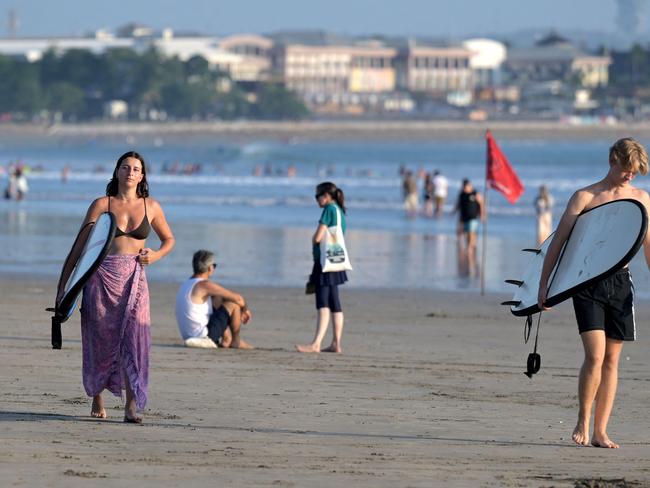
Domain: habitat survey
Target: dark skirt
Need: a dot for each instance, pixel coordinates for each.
(319, 278)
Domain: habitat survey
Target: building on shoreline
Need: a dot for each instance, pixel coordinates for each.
(337, 75)
(555, 58)
(438, 71)
(334, 74)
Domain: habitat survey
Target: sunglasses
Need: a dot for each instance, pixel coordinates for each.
(318, 195)
(213, 266)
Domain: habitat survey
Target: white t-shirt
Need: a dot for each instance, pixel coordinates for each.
(440, 186)
(192, 318)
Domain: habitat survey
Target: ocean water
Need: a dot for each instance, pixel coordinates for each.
(242, 204)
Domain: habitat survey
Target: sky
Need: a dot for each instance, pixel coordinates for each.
(437, 18)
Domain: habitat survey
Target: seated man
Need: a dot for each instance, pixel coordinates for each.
(206, 309)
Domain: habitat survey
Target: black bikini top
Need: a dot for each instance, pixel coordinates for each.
(141, 232)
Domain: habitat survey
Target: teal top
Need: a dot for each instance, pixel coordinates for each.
(328, 218)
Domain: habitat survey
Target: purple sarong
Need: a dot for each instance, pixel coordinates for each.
(115, 328)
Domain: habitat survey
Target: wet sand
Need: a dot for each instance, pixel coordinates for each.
(429, 392)
(335, 129)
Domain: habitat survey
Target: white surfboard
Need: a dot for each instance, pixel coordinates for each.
(97, 238)
(602, 241)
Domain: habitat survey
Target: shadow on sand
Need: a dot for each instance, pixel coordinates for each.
(16, 416)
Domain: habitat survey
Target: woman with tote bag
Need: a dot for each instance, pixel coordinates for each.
(331, 261)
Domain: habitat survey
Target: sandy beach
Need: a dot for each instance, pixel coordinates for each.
(375, 130)
(429, 392)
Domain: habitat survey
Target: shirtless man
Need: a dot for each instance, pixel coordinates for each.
(605, 311)
(207, 309)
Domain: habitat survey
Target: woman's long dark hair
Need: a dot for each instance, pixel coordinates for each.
(332, 190)
(143, 187)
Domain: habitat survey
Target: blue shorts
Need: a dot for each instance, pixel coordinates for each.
(470, 226)
(327, 296)
(327, 287)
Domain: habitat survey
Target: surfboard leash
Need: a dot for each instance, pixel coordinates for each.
(534, 361)
(57, 339)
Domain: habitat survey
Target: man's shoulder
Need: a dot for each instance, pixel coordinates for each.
(208, 285)
(642, 196)
(588, 192)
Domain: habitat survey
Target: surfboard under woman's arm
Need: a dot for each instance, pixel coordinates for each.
(576, 205)
(94, 211)
(163, 231)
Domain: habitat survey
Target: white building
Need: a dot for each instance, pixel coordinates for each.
(487, 59)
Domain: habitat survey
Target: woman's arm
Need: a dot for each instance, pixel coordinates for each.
(576, 205)
(164, 233)
(319, 234)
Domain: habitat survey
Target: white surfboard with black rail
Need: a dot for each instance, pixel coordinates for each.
(603, 240)
(96, 239)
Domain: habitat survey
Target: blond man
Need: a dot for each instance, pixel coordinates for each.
(605, 311)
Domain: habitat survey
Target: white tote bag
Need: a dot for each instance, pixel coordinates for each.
(333, 253)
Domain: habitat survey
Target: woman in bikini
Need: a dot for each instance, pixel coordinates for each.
(115, 324)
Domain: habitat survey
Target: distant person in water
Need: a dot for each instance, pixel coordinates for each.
(326, 285)
(604, 311)
(544, 211)
(206, 309)
(410, 193)
(115, 317)
(65, 173)
(440, 190)
(471, 211)
(427, 193)
(21, 183)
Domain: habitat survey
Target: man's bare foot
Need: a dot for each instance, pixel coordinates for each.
(241, 344)
(97, 409)
(580, 435)
(332, 348)
(307, 348)
(604, 441)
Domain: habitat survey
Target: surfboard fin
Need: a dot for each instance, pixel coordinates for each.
(515, 282)
(536, 251)
(512, 303)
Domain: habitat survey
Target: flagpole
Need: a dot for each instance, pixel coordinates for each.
(485, 224)
(500, 176)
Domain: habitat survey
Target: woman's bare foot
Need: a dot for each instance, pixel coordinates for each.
(332, 348)
(97, 409)
(131, 414)
(603, 441)
(307, 348)
(580, 435)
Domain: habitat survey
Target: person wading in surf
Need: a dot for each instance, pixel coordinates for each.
(605, 311)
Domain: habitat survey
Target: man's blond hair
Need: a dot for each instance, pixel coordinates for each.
(629, 155)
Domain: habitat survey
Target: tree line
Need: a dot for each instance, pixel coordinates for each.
(77, 85)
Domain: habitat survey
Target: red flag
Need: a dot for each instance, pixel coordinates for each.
(500, 174)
